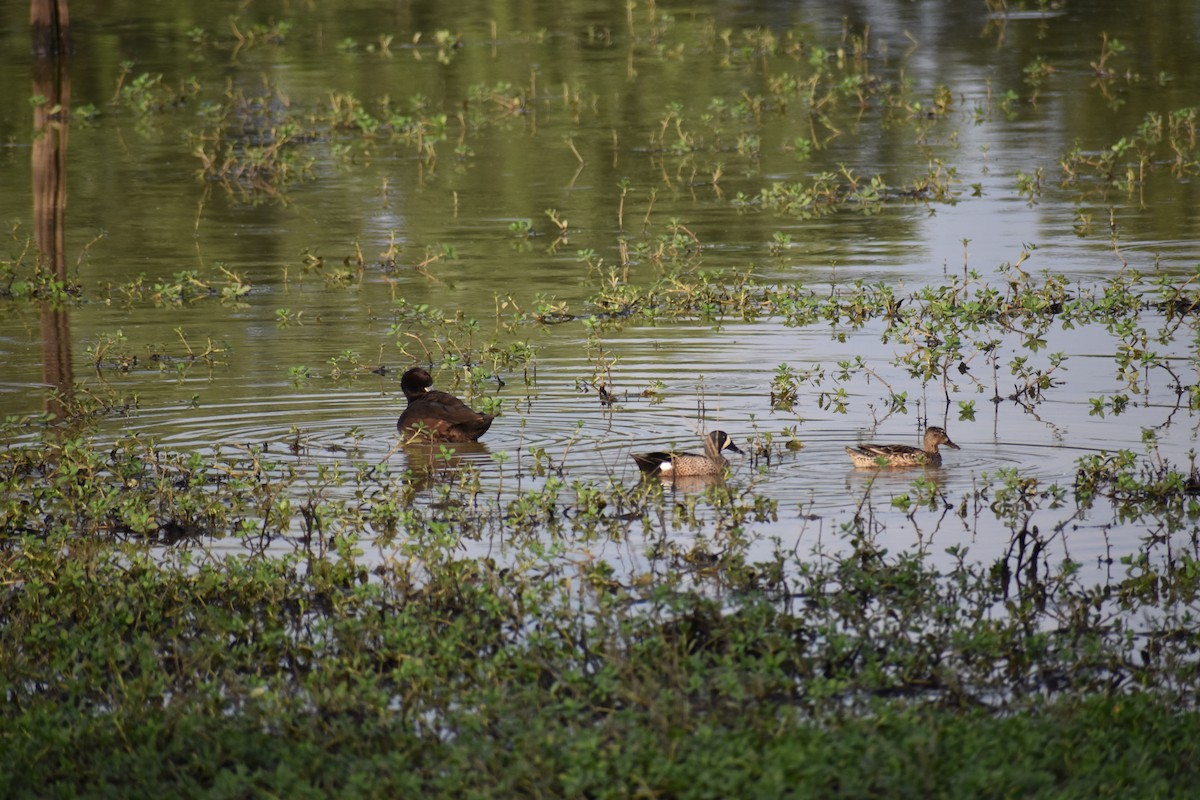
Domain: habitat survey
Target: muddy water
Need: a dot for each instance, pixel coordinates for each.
(657, 102)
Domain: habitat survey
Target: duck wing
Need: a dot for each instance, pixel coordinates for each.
(889, 450)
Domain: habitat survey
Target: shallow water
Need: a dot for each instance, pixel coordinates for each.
(584, 76)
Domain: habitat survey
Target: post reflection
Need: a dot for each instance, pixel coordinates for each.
(51, 80)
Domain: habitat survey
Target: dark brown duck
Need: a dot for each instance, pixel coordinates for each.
(435, 415)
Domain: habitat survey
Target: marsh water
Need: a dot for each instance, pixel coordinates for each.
(483, 162)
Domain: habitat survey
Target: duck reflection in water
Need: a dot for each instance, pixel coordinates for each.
(430, 464)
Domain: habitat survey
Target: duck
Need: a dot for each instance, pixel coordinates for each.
(903, 455)
(685, 465)
(437, 416)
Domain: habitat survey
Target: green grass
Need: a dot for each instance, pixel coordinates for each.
(130, 673)
(1100, 747)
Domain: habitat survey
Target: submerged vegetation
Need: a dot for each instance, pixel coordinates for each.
(296, 604)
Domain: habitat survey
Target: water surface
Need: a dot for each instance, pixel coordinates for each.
(619, 124)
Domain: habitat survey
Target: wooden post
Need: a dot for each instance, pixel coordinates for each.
(50, 23)
(52, 80)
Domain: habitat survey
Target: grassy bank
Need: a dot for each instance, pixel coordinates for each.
(129, 672)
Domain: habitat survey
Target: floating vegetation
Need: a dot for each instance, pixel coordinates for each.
(949, 335)
(148, 93)
(1130, 161)
(251, 143)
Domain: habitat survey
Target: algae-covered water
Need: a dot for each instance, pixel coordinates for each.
(262, 214)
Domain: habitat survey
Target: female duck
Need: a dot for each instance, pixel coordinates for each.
(437, 416)
(684, 465)
(902, 455)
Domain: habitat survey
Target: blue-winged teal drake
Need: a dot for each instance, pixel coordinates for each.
(902, 455)
(684, 465)
(437, 416)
